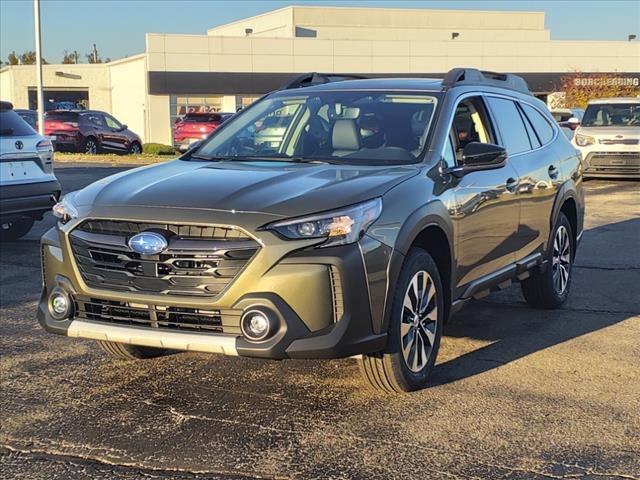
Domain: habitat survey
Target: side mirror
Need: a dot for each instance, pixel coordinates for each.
(123, 127)
(479, 156)
(573, 123)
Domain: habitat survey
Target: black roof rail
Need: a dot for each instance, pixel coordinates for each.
(315, 78)
(473, 76)
(6, 105)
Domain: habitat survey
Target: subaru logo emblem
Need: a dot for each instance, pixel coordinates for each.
(19, 145)
(148, 243)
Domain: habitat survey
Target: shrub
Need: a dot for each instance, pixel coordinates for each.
(158, 149)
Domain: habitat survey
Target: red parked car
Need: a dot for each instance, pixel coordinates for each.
(196, 126)
(89, 131)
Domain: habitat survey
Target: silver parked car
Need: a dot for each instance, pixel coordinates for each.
(609, 137)
(28, 186)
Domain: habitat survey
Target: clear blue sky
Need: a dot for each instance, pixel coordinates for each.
(118, 27)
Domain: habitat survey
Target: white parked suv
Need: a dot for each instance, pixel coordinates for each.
(609, 137)
(28, 186)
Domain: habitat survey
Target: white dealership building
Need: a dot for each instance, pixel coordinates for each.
(232, 64)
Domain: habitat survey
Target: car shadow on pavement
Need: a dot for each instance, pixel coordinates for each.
(506, 329)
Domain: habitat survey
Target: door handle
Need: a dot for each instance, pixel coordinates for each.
(553, 172)
(512, 184)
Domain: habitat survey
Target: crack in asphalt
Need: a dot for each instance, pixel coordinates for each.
(183, 417)
(76, 459)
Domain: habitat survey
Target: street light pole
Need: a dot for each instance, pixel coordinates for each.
(39, 92)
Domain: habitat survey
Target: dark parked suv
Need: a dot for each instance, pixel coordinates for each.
(382, 208)
(89, 131)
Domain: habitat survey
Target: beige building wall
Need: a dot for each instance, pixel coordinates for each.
(246, 54)
(6, 84)
(129, 93)
(158, 122)
(278, 23)
(94, 78)
(354, 23)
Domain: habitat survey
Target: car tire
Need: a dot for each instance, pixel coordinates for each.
(411, 352)
(90, 146)
(10, 231)
(131, 352)
(135, 148)
(550, 288)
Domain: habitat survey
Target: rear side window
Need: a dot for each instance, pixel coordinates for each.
(94, 119)
(201, 118)
(12, 125)
(62, 116)
(511, 126)
(540, 124)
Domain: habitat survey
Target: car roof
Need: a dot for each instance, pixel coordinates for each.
(409, 84)
(597, 101)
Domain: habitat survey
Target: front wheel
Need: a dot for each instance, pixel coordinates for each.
(15, 229)
(135, 149)
(90, 146)
(415, 329)
(550, 288)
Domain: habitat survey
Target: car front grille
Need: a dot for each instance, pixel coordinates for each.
(157, 316)
(199, 260)
(614, 160)
(619, 141)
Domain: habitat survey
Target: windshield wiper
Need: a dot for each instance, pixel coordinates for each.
(257, 158)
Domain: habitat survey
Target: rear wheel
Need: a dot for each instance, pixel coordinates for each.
(415, 329)
(90, 146)
(15, 229)
(550, 288)
(131, 352)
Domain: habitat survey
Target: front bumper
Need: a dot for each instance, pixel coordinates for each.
(317, 297)
(28, 199)
(611, 160)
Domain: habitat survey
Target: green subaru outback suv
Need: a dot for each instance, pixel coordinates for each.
(375, 210)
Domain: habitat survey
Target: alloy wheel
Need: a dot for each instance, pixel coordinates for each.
(419, 321)
(561, 260)
(90, 147)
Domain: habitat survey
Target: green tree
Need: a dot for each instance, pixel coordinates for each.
(12, 59)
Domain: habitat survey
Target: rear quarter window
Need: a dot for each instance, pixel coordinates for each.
(12, 125)
(510, 124)
(540, 124)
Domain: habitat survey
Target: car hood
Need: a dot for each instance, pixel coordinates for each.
(610, 132)
(282, 189)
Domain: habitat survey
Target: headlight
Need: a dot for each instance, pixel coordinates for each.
(584, 140)
(66, 210)
(339, 227)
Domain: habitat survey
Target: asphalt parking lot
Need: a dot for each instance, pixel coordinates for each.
(517, 393)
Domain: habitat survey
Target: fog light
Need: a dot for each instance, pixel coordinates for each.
(59, 305)
(255, 325)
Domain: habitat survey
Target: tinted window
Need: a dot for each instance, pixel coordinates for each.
(11, 125)
(449, 155)
(512, 129)
(201, 118)
(540, 124)
(95, 119)
(613, 114)
(533, 137)
(62, 116)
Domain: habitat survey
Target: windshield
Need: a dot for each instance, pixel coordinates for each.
(364, 127)
(612, 115)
